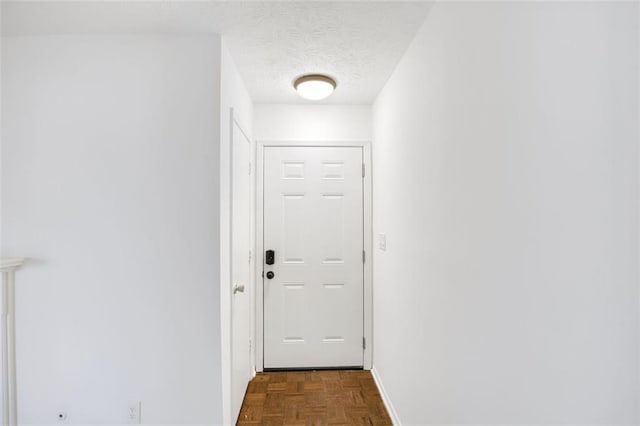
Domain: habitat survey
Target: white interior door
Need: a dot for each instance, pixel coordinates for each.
(313, 222)
(241, 368)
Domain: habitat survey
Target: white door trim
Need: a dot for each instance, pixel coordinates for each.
(252, 171)
(226, 194)
(368, 248)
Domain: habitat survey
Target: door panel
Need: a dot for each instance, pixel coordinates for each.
(241, 371)
(313, 220)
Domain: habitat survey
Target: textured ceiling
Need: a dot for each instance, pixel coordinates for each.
(358, 43)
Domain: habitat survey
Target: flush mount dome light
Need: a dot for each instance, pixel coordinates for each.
(314, 86)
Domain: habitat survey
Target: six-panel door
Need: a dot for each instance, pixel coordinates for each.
(313, 220)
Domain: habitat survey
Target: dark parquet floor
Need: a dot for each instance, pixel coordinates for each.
(313, 398)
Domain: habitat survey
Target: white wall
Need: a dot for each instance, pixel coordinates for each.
(234, 96)
(506, 180)
(110, 171)
(312, 122)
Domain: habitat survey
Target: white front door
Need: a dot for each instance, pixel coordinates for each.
(241, 368)
(313, 223)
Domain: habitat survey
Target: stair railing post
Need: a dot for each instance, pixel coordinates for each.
(8, 318)
(5, 346)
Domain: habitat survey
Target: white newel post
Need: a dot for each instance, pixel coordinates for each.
(9, 402)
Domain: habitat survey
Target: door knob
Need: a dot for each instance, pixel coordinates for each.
(270, 275)
(238, 288)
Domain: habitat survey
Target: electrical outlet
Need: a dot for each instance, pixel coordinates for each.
(134, 414)
(382, 242)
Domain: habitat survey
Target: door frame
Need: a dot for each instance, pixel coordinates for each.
(226, 262)
(368, 238)
(249, 286)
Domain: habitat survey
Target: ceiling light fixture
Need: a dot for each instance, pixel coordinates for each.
(314, 86)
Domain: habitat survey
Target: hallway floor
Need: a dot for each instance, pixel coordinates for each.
(313, 398)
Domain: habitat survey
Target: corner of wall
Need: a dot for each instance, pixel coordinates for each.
(385, 398)
(233, 96)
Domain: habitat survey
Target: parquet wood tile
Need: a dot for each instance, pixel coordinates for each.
(313, 398)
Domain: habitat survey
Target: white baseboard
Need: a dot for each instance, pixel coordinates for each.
(385, 398)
